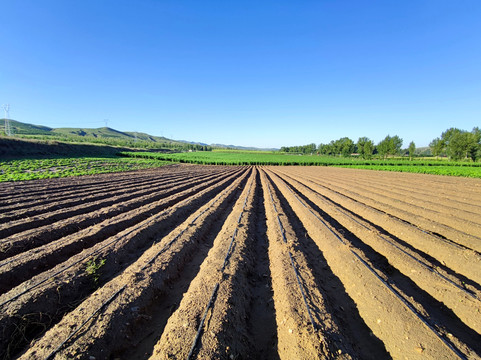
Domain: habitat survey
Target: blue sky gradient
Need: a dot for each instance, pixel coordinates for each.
(251, 73)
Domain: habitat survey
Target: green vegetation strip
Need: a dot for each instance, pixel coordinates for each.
(465, 171)
(242, 158)
(425, 166)
(32, 169)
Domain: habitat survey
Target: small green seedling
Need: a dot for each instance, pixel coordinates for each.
(93, 268)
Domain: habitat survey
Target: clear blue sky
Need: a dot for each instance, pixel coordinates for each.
(252, 73)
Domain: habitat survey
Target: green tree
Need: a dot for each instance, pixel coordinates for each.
(460, 144)
(368, 149)
(474, 144)
(343, 146)
(411, 149)
(365, 147)
(325, 149)
(455, 142)
(390, 146)
(395, 145)
(383, 146)
(437, 146)
(346, 146)
(311, 148)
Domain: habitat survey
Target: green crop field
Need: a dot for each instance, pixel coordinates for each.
(423, 165)
(465, 171)
(242, 158)
(31, 169)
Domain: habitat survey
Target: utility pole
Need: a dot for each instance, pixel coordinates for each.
(6, 108)
(106, 122)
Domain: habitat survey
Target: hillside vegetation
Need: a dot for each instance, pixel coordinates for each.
(103, 135)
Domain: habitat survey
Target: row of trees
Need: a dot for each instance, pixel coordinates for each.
(303, 149)
(455, 143)
(458, 144)
(365, 147)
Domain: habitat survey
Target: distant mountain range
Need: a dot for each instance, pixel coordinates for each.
(103, 132)
(106, 133)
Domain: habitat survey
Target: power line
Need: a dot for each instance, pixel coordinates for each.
(8, 130)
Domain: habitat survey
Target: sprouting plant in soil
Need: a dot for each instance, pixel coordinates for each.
(93, 269)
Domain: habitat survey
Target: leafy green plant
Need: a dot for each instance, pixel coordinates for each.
(93, 269)
(30, 169)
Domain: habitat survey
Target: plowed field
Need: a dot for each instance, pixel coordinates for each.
(212, 262)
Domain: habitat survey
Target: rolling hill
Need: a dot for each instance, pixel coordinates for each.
(105, 135)
(82, 134)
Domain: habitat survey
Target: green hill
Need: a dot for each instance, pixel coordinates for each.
(25, 129)
(106, 132)
(109, 136)
(100, 135)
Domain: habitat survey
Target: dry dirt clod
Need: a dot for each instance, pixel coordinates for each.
(419, 349)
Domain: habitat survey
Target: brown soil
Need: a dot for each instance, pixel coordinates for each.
(207, 262)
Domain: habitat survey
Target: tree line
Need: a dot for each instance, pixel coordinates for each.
(365, 147)
(458, 144)
(455, 143)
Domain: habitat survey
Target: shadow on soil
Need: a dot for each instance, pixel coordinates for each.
(440, 316)
(357, 338)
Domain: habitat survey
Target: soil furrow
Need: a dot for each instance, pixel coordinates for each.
(401, 330)
(118, 180)
(459, 234)
(72, 192)
(420, 213)
(68, 283)
(132, 199)
(453, 312)
(19, 268)
(332, 307)
(392, 245)
(459, 259)
(446, 187)
(225, 333)
(231, 262)
(417, 195)
(152, 287)
(261, 320)
(33, 238)
(71, 186)
(30, 207)
(42, 187)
